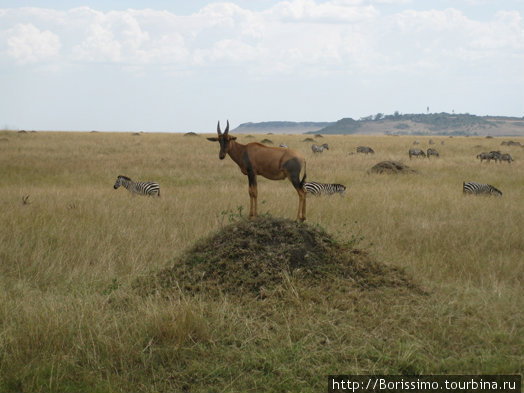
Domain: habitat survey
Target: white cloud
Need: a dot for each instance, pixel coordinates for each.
(27, 44)
(291, 36)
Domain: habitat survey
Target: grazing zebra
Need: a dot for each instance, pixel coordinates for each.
(416, 152)
(484, 156)
(479, 189)
(319, 149)
(495, 155)
(365, 149)
(143, 188)
(432, 152)
(315, 188)
(506, 157)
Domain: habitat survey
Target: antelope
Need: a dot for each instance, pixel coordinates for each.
(274, 163)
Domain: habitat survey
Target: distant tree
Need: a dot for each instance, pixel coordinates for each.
(379, 116)
(396, 114)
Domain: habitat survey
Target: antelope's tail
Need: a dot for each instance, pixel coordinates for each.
(304, 178)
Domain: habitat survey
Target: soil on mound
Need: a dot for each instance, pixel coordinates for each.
(391, 167)
(254, 256)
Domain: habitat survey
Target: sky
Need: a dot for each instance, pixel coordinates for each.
(180, 66)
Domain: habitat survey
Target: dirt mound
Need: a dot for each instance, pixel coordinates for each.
(254, 256)
(391, 167)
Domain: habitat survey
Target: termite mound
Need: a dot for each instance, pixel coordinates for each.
(258, 256)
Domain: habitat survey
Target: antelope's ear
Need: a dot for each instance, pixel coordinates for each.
(214, 139)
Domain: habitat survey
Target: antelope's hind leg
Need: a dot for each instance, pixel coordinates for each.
(293, 168)
(301, 215)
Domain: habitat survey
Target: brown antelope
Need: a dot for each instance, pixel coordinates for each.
(274, 163)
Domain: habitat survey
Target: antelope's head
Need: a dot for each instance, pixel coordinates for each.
(224, 140)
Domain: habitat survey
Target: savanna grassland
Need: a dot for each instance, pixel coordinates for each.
(72, 249)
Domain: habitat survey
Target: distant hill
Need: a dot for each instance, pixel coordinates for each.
(428, 124)
(397, 124)
(280, 127)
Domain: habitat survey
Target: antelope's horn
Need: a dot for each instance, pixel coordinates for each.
(218, 128)
(227, 128)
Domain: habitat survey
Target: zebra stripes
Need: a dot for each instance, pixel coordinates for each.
(142, 188)
(316, 188)
(479, 189)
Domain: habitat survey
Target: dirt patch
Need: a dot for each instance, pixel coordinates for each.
(255, 256)
(391, 167)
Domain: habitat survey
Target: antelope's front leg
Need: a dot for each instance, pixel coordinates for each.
(253, 193)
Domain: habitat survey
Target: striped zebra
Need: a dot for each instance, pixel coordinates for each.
(319, 149)
(142, 188)
(365, 150)
(495, 155)
(316, 188)
(432, 152)
(506, 157)
(484, 156)
(416, 152)
(479, 189)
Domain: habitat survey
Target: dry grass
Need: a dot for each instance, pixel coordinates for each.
(70, 319)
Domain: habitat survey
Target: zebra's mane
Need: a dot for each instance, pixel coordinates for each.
(124, 177)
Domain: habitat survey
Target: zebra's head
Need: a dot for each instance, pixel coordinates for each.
(120, 181)
(340, 188)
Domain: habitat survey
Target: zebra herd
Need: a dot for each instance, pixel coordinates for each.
(317, 188)
(495, 155)
(420, 153)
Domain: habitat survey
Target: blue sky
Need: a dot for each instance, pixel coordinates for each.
(182, 65)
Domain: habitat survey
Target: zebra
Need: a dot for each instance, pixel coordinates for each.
(319, 149)
(283, 145)
(484, 156)
(316, 188)
(506, 157)
(495, 155)
(416, 152)
(142, 188)
(365, 149)
(432, 152)
(479, 189)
